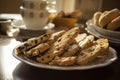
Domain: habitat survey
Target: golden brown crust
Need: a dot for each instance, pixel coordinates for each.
(32, 42)
(37, 50)
(88, 55)
(104, 44)
(55, 36)
(108, 17)
(114, 24)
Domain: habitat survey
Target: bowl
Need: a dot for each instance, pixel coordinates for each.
(66, 22)
(107, 33)
(34, 19)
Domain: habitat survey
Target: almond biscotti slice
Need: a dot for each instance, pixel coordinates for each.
(63, 61)
(108, 17)
(37, 50)
(59, 46)
(55, 36)
(89, 54)
(114, 24)
(32, 42)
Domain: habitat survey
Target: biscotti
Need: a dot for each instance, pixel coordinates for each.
(108, 17)
(109, 20)
(104, 44)
(63, 61)
(100, 47)
(32, 42)
(59, 46)
(55, 36)
(37, 50)
(44, 46)
(114, 24)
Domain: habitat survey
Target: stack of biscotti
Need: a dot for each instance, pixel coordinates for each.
(108, 19)
(34, 46)
(64, 48)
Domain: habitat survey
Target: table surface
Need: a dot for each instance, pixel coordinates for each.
(13, 69)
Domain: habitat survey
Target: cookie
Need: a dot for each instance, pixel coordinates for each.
(55, 36)
(37, 50)
(114, 24)
(96, 17)
(104, 44)
(71, 51)
(89, 54)
(63, 61)
(108, 17)
(32, 42)
(59, 46)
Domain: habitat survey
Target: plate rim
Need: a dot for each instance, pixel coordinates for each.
(85, 67)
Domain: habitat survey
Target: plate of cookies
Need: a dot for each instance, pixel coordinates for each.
(66, 50)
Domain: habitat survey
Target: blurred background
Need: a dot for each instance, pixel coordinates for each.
(88, 7)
